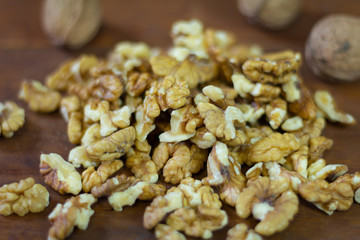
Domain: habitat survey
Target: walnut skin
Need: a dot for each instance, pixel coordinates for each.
(23, 197)
(59, 174)
(332, 47)
(12, 118)
(75, 212)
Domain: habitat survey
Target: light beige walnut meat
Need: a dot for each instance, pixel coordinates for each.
(137, 83)
(319, 170)
(311, 129)
(304, 107)
(160, 206)
(123, 190)
(275, 68)
(273, 148)
(39, 97)
(317, 147)
(140, 163)
(242, 232)
(107, 87)
(79, 157)
(325, 101)
(192, 70)
(165, 232)
(91, 177)
(328, 197)
(203, 138)
(113, 146)
(183, 123)
(12, 118)
(178, 161)
(270, 202)
(23, 197)
(68, 105)
(276, 112)
(354, 181)
(75, 212)
(198, 222)
(74, 127)
(59, 174)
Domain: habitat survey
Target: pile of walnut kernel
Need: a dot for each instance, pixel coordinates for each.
(206, 101)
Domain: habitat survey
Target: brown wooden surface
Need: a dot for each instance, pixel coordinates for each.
(25, 52)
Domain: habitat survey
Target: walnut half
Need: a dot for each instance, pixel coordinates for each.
(76, 211)
(23, 197)
(12, 118)
(59, 174)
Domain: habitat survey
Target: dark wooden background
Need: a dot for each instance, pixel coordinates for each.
(25, 53)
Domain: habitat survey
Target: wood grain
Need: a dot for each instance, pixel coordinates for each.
(25, 52)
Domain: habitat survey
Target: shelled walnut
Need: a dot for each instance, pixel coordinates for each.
(23, 197)
(12, 118)
(39, 97)
(75, 212)
(59, 174)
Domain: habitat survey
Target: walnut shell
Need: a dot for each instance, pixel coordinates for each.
(71, 23)
(271, 14)
(333, 48)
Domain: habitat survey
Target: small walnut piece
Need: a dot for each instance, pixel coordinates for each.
(71, 23)
(75, 212)
(12, 118)
(165, 232)
(59, 174)
(271, 14)
(325, 101)
(74, 127)
(328, 197)
(23, 197)
(332, 47)
(270, 202)
(91, 177)
(39, 97)
(78, 157)
(68, 105)
(241, 232)
(160, 206)
(276, 112)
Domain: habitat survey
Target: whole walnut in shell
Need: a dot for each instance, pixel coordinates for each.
(333, 47)
(71, 23)
(271, 14)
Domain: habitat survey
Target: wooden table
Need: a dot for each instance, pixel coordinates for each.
(25, 52)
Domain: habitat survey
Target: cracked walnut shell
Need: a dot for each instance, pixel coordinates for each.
(59, 174)
(23, 197)
(39, 97)
(75, 212)
(12, 118)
